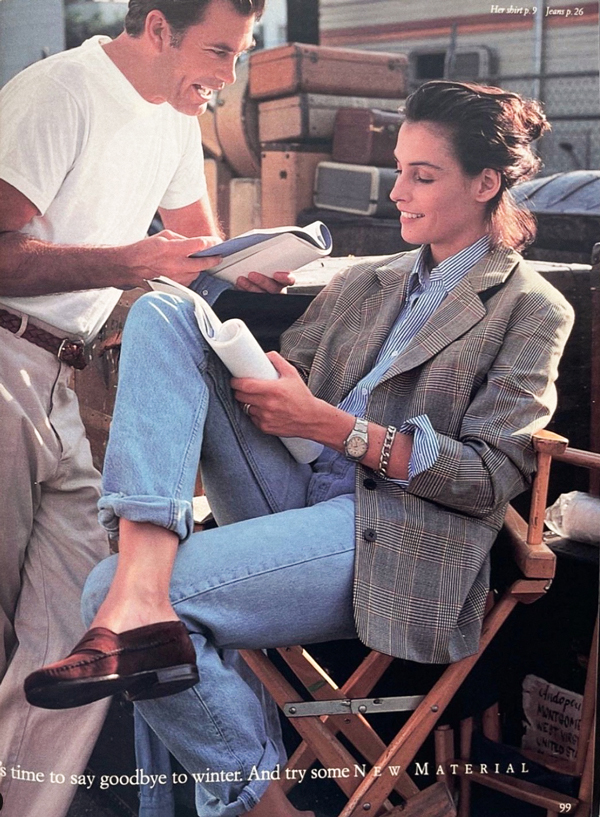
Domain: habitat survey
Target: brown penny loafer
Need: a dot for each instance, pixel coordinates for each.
(148, 662)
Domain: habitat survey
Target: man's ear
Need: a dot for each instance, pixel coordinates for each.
(157, 30)
(488, 183)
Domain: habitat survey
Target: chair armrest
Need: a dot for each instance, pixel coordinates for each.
(547, 445)
(576, 456)
(535, 561)
(549, 442)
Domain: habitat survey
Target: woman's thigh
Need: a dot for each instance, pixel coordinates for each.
(271, 581)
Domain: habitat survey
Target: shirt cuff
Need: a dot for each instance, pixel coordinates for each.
(425, 450)
(209, 287)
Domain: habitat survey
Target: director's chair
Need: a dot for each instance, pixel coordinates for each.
(580, 766)
(333, 711)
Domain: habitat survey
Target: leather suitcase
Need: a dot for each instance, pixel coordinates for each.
(365, 137)
(287, 176)
(356, 189)
(306, 117)
(297, 68)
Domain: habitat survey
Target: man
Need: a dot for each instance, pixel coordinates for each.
(94, 141)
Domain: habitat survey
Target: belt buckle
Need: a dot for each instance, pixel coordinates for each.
(72, 352)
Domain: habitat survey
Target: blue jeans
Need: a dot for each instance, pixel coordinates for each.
(277, 571)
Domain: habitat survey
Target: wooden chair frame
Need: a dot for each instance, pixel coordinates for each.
(582, 765)
(335, 710)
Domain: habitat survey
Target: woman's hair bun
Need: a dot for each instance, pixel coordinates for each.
(526, 115)
(488, 128)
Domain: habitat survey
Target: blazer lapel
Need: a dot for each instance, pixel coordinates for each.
(387, 297)
(460, 310)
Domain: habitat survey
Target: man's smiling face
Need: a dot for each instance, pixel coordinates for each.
(202, 60)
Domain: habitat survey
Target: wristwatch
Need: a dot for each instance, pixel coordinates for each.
(357, 443)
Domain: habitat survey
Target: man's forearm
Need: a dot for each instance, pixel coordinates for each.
(29, 266)
(32, 267)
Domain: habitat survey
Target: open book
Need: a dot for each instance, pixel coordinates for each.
(268, 251)
(239, 350)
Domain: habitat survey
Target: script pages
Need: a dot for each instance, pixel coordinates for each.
(269, 250)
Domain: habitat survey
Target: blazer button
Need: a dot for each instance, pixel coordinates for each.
(370, 534)
(370, 484)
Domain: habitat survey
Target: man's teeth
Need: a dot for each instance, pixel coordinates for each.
(412, 215)
(202, 91)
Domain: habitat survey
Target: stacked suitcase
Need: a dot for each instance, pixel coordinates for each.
(361, 176)
(304, 113)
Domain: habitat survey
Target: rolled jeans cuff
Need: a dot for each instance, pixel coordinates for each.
(235, 804)
(172, 514)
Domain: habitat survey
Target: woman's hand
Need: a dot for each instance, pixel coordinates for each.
(257, 282)
(284, 407)
(287, 408)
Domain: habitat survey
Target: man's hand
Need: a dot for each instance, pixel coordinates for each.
(256, 282)
(167, 253)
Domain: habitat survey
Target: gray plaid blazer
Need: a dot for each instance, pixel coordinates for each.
(483, 370)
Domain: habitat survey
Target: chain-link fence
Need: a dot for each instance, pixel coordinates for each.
(572, 104)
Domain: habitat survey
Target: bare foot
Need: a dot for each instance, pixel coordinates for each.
(274, 803)
(139, 593)
(120, 615)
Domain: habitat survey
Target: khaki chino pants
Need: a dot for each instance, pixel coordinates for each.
(49, 542)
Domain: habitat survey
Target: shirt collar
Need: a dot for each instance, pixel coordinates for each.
(451, 270)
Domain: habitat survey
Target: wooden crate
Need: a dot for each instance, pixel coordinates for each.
(287, 176)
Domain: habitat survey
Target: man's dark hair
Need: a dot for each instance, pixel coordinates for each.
(181, 14)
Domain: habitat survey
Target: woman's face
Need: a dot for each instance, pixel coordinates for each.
(439, 204)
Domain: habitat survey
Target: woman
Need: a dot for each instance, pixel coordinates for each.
(424, 377)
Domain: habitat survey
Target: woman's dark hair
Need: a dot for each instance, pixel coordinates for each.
(488, 127)
(181, 14)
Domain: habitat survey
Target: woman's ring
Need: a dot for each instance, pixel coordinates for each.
(246, 408)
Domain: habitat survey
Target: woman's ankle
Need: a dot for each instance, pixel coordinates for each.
(120, 616)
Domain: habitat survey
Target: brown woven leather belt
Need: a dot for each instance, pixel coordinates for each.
(68, 351)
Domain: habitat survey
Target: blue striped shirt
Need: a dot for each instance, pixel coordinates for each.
(426, 291)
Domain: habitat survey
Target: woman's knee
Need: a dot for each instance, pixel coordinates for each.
(164, 325)
(159, 309)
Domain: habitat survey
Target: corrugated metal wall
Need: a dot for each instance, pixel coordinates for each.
(404, 25)
(568, 86)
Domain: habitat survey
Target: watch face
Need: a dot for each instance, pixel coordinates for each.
(356, 447)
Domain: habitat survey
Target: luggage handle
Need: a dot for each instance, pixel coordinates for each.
(382, 128)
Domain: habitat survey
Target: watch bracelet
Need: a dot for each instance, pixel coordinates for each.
(386, 450)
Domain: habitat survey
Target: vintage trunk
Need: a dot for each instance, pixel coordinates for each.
(309, 116)
(365, 136)
(355, 189)
(291, 69)
(210, 141)
(287, 175)
(236, 126)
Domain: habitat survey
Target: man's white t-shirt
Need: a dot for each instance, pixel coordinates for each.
(97, 160)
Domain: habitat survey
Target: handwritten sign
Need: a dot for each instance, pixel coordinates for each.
(552, 718)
